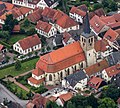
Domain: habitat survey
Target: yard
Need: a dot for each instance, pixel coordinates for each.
(26, 66)
(16, 37)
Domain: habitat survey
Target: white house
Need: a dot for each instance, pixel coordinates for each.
(36, 3)
(27, 45)
(77, 80)
(65, 23)
(110, 72)
(77, 14)
(45, 29)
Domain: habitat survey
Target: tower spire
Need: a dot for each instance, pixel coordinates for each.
(86, 24)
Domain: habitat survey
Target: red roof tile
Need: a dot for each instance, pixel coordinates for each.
(38, 72)
(77, 11)
(62, 58)
(1, 47)
(29, 42)
(113, 70)
(66, 36)
(117, 17)
(101, 45)
(65, 22)
(44, 26)
(16, 28)
(108, 19)
(83, 7)
(97, 67)
(100, 12)
(111, 35)
(34, 81)
(114, 25)
(24, 10)
(95, 82)
(97, 24)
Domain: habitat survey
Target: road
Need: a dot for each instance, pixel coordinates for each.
(4, 93)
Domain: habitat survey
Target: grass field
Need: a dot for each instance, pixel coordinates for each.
(26, 66)
(16, 37)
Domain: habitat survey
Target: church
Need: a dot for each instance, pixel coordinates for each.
(53, 67)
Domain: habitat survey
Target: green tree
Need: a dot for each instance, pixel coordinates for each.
(97, 6)
(21, 94)
(5, 35)
(51, 104)
(17, 65)
(70, 105)
(113, 6)
(26, 23)
(107, 103)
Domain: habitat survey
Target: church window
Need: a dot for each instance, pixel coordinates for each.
(91, 39)
(50, 77)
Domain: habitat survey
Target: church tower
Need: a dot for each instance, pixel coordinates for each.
(87, 39)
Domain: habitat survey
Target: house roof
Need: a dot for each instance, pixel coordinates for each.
(66, 36)
(77, 11)
(50, 2)
(97, 24)
(100, 12)
(29, 42)
(113, 70)
(83, 7)
(117, 17)
(44, 26)
(108, 19)
(101, 45)
(65, 22)
(118, 31)
(35, 16)
(111, 35)
(93, 69)
(113, 58)
(74, 78)
(34, 81)
(37, 72)
(95, 82)
(16, 28)
(61, 58)
(114, 25)
(1, 47)
(24, 10)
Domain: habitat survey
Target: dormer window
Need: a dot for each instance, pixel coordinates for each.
(97, 25)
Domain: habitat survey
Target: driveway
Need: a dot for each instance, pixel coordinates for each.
(4, 93)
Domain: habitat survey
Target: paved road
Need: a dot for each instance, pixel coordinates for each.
(4, 93)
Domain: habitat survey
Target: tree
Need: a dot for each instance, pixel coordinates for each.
(21, 94)
(107, 103)
(17, 65)
(97, 6)
(51, 104)
(5, 35)
(10, 22)
(31, 31)
(70, 105)
(26, 23)
(113, 6)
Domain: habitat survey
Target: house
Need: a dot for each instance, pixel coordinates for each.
(27, 45)
(65, 23)
(102, 49)
(35, 16)
(16, 29)
(36, 3)
(117, 17)
(97, 25)
(96, 83)
(77, 14)
(96, 69)
(2, 49)
(111, 36)
(37, 101)
(77, 80)
(63, 98)
(110, 72)
(60, 63)
(113, 58)
(45, 29)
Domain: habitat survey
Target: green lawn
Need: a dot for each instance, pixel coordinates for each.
(16, 37)
(26, 66)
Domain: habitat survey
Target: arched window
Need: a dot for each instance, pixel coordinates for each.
(61, 75)
(81, 65)
(68, 71)
(50, 77)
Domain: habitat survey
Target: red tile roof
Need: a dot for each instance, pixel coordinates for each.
(34, 81)
(114, 25)
(77, 11)
(24, 10)
(108, 19)
(1, 47)
(113, 70)
(100, 12)
(83, 7)
(95, 82)
(44, 26)
(101, 45)
(97, 24)
(35, 16)
(38, 72)
(111, 35)
(62, 58)
(118, 31)
(16, 28)
(96, 67)
(66, 36)
(117, 17)
(29, 42)
(65, 22)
